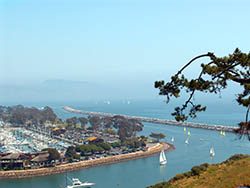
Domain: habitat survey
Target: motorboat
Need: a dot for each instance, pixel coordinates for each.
(76, 183)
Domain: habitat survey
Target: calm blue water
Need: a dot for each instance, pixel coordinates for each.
(143, 172)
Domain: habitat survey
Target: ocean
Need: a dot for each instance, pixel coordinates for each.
(141, 173)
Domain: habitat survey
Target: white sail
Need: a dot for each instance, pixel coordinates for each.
(186, 141)
(172, 139)
(163, 159)
(211, 152)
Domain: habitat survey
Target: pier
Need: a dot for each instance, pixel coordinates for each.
(157, 120)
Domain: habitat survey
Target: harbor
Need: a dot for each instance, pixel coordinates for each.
(23, 140)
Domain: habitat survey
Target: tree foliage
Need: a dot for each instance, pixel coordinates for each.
(95, 122)
(21, 115)
(72, 121)
(127, 128)
(157, 136)
(53, 154)
(83, 121)
(213, 77)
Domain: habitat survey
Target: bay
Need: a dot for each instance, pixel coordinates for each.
(144, 172)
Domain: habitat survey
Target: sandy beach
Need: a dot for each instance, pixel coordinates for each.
(15, 174)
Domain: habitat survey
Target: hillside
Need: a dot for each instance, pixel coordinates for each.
(231, 173)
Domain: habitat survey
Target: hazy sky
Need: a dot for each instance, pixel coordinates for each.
(114, 41)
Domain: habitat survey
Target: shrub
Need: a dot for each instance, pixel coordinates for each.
(178, 177)
(237, 157)
(188, 174)
(196, 170)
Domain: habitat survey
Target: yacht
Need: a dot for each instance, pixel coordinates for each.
(76, 183)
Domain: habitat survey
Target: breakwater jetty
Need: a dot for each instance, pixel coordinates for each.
(157, 120)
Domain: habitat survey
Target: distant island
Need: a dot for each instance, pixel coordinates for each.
(35, 142)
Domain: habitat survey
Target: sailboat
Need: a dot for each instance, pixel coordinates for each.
(163, 159)
(184, 129)
(211, 152)
(172, 139)
(186, 141)
(222, 133)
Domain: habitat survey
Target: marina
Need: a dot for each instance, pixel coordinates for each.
(22, 140)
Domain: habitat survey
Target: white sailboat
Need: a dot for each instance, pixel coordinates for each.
(186, 141)
(222, 133)
(211, 152)
(163, 159)
(172, 139)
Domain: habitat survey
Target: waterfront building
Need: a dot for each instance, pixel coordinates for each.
(42, 159)
(14, 161)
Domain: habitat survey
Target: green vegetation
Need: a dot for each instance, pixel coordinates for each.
(20, 115)
(213, 77)
(53, 154)
(86, 150)
(157, 136)
(231, 173)
(134, 143)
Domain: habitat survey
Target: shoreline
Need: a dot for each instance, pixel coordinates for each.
(19, 174)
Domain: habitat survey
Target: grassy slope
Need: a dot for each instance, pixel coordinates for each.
(229, 174)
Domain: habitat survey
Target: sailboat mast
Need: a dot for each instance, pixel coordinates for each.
(66, 181)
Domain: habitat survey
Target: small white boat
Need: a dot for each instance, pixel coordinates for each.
(222, 133)
(172, 139)
(162, 159)
(187, 141)
(76, 183)
(189, 133)
(211, 152)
